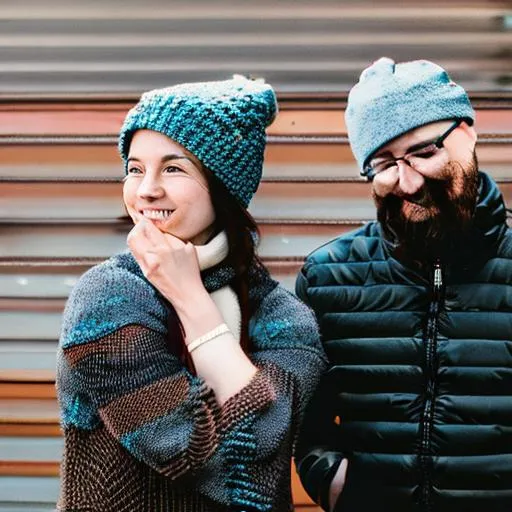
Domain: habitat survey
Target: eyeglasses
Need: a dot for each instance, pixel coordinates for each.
(424, 158)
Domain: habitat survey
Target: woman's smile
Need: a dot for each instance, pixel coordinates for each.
(153, 214)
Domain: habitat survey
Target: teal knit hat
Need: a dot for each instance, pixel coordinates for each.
(221, 123)
(392, 99)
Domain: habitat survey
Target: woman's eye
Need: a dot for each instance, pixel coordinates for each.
(172, 169)
(134, 170)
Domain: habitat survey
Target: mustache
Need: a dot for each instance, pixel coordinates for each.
(422, 197)
(433, 193)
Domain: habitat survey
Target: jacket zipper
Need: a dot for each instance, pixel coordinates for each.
(430, 395)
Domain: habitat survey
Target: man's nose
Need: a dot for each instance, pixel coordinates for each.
(409, 180)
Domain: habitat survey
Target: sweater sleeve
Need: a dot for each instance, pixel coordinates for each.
(290, 361)
(317, 456)
(260, 424)
(115, 368)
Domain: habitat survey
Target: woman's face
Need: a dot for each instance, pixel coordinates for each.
(164, 183)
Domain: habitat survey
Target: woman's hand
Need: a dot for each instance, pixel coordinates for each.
(167, 262)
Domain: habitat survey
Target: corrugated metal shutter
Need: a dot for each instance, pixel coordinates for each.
(112, 46)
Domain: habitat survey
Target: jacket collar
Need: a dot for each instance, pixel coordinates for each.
(489, 226)
(481, 241)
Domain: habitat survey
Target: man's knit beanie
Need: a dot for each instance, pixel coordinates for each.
(221, 123)
(391, 99)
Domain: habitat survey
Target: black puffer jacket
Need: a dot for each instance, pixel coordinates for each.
(419, 394)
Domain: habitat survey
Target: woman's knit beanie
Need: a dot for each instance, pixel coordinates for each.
(221, 123)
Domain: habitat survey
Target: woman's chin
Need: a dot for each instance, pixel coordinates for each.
(161, 224)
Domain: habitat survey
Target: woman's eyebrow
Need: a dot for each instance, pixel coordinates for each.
(165, 158)
(173, 156)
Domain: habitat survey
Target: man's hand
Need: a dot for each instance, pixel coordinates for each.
(337, 484)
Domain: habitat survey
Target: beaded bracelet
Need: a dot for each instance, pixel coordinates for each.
(209, 336)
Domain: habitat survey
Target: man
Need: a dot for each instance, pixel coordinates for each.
(415, 310)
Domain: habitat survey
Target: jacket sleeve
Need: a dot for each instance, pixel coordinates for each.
(115, 368)
(317, 457)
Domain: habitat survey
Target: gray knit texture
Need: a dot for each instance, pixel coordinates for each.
(391, 99)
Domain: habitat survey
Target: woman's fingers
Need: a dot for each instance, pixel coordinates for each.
(151, 247)
(159, 239)
(153, 235)
(166, 261)
(173, 241)
(134, 237)
(138, 240)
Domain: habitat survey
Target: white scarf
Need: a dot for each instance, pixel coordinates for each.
(225, 298)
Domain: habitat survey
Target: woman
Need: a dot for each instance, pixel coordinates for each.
(183, 367)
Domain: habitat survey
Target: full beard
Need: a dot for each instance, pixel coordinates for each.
(439, 216)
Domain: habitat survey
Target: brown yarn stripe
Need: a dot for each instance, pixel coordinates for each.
(130, 412)
(122, 342)
(205, 436)
(257, 395)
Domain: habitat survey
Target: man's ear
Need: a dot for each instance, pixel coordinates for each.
(470, 131)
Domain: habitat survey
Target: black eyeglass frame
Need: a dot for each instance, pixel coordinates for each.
(369, 173)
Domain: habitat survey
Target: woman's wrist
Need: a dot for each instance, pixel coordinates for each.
(198, 315)
(187, 297)
(209, 336)
(224, 366)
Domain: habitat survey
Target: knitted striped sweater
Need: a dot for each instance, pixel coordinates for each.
(142, 433)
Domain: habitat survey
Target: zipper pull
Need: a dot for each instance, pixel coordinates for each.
(438, 276)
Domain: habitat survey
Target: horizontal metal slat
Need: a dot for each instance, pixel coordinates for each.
(277, 202)
(102, 241)
(25, 356)
(50, 285)
(27, 384)
(68, 29)
(21, 325)
(94, 47)
(29, 411)
(44, 491)
(34, 449)
(230, 10)
(98, 121)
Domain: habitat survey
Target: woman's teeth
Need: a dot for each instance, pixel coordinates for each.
(156, 214)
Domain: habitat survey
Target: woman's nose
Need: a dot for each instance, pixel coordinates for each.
(150, 188)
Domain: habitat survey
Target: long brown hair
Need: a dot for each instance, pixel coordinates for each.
(242, 234)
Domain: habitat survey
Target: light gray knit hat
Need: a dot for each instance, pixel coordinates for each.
(391, 99)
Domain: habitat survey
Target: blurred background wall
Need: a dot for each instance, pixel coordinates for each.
(109, 46)
(69, 71)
